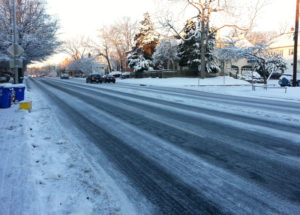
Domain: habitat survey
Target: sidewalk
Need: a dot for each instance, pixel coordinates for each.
(17, 188)
(43, 169)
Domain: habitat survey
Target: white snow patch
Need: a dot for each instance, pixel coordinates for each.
(44, 171)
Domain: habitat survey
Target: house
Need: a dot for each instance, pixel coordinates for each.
(100, 68)
(284, 47)
(100, 65)
(239, 66)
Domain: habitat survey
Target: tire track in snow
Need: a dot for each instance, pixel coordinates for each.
(171, 157)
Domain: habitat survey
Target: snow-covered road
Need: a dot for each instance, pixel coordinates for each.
(176, 151)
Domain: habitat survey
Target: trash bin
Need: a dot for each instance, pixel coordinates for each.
(21, 80)
(19, 90)
(5, 95)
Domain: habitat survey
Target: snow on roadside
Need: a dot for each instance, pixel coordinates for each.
(17, 189)
(273, 115)
(186, 82)
(221, 85)
(52, 173)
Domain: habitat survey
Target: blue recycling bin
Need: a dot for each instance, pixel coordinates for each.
(19, 90)
(5, 96)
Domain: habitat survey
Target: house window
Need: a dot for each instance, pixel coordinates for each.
(291, 51)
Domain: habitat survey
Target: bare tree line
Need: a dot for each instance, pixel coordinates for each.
(112, 43)
(115, 40)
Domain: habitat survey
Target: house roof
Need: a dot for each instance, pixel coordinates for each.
(243, 43)
(240, 42)
(285, 40)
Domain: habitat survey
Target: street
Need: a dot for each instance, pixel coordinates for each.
(187, 152)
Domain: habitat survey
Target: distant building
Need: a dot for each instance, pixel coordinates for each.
(235, 66)
(101, 65)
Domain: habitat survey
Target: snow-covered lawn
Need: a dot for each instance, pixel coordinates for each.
(227, 85)
(43, 169)
(186, 82)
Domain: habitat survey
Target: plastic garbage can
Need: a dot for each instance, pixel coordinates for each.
(5, 95)
(1, 94)
(19, 90)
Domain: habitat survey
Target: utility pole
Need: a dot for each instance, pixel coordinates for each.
(296, 45)
(203, 48)
(15, 41)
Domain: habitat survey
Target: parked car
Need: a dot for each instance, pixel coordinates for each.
(109, 79)
(125, 75)
(287, 80)
(64, 76)
(94, 78)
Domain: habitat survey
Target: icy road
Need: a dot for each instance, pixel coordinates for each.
(177, 151)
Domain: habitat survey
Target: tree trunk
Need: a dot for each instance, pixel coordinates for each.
(203, 50)
(108, 61)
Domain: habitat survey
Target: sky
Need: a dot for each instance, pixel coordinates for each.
(85, 18)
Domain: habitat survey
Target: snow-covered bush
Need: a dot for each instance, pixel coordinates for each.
(264, 63)
(248, 76)
(138, 62)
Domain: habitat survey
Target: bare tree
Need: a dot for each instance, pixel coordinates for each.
(77, 47)
(205, 9)
(36, 29)
(127, 30)
(121, 39)
(115, 41)
(257, 37)
(104, 49)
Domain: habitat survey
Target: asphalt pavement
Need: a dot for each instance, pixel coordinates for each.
(186, 158)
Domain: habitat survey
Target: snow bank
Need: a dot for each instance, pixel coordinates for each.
(184, 82)
(43, 169)
(224, 85)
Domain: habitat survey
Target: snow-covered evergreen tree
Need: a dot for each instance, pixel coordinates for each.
(189, 50)
(138, 62)
(145, 40)
(165, 52)
(211, 57)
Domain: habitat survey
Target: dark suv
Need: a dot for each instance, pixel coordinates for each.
(94, 78)
(109, 78)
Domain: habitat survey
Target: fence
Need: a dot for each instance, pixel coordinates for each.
(266, 87)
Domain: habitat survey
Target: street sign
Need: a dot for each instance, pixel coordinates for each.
(16, 64)
(15, 50)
